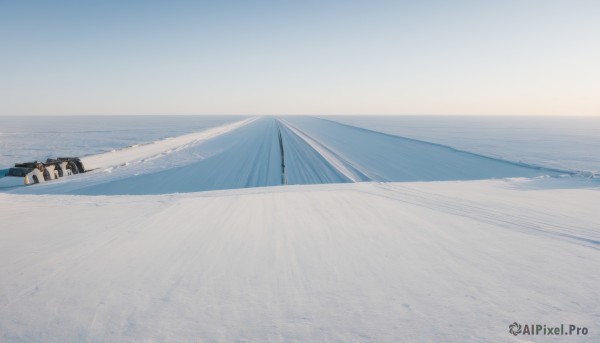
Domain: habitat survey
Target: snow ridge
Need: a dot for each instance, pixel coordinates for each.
(151, 150)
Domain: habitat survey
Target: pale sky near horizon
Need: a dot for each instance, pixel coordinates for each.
(512, 57)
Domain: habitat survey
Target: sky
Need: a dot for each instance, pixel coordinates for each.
(509, 57)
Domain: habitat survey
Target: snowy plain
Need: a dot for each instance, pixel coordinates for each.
(248, 153)
(568, 142)
(29, 138)
(343, 241)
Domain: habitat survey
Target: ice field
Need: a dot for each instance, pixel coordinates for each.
(560, 142)
(31, 138)
(296, 229)
(248, 153)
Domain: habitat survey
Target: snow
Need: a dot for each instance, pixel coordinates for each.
(155, 149)
(30, 138)
(8, 182)
(214, 235)
(381, 157)
(433, 261)
(569, 142)
(247, 154)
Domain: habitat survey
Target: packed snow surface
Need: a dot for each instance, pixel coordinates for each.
(363, 262)
(269, 151)
(568, 142)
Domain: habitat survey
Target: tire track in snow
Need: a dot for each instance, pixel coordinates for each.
(268, 151)
(343, 167)
(280, 139)
(521, 164)
(528, 221)
(303, 163)
(388, 158)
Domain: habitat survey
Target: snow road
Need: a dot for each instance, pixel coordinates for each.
(249, 154)
(368, 262)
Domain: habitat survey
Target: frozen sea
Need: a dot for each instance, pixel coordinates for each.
(29, 138)
(571, 143)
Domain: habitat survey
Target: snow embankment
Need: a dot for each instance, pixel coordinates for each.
(367, 155)
(567, 143)
(159, 148)
(442, 261)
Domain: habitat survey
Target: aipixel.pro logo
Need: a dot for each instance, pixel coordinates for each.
(545, 330)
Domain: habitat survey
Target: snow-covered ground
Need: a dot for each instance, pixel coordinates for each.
(296, 229)
(362, 262)
(248, 153)
(569, 142)
(24, 138)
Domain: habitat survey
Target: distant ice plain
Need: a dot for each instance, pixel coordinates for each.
(31, 138)
(248, 153)
(560, 142)
(564, 142)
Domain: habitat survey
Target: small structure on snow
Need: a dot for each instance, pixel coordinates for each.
(52, 169)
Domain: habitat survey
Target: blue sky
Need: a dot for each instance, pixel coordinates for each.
(300, 57)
